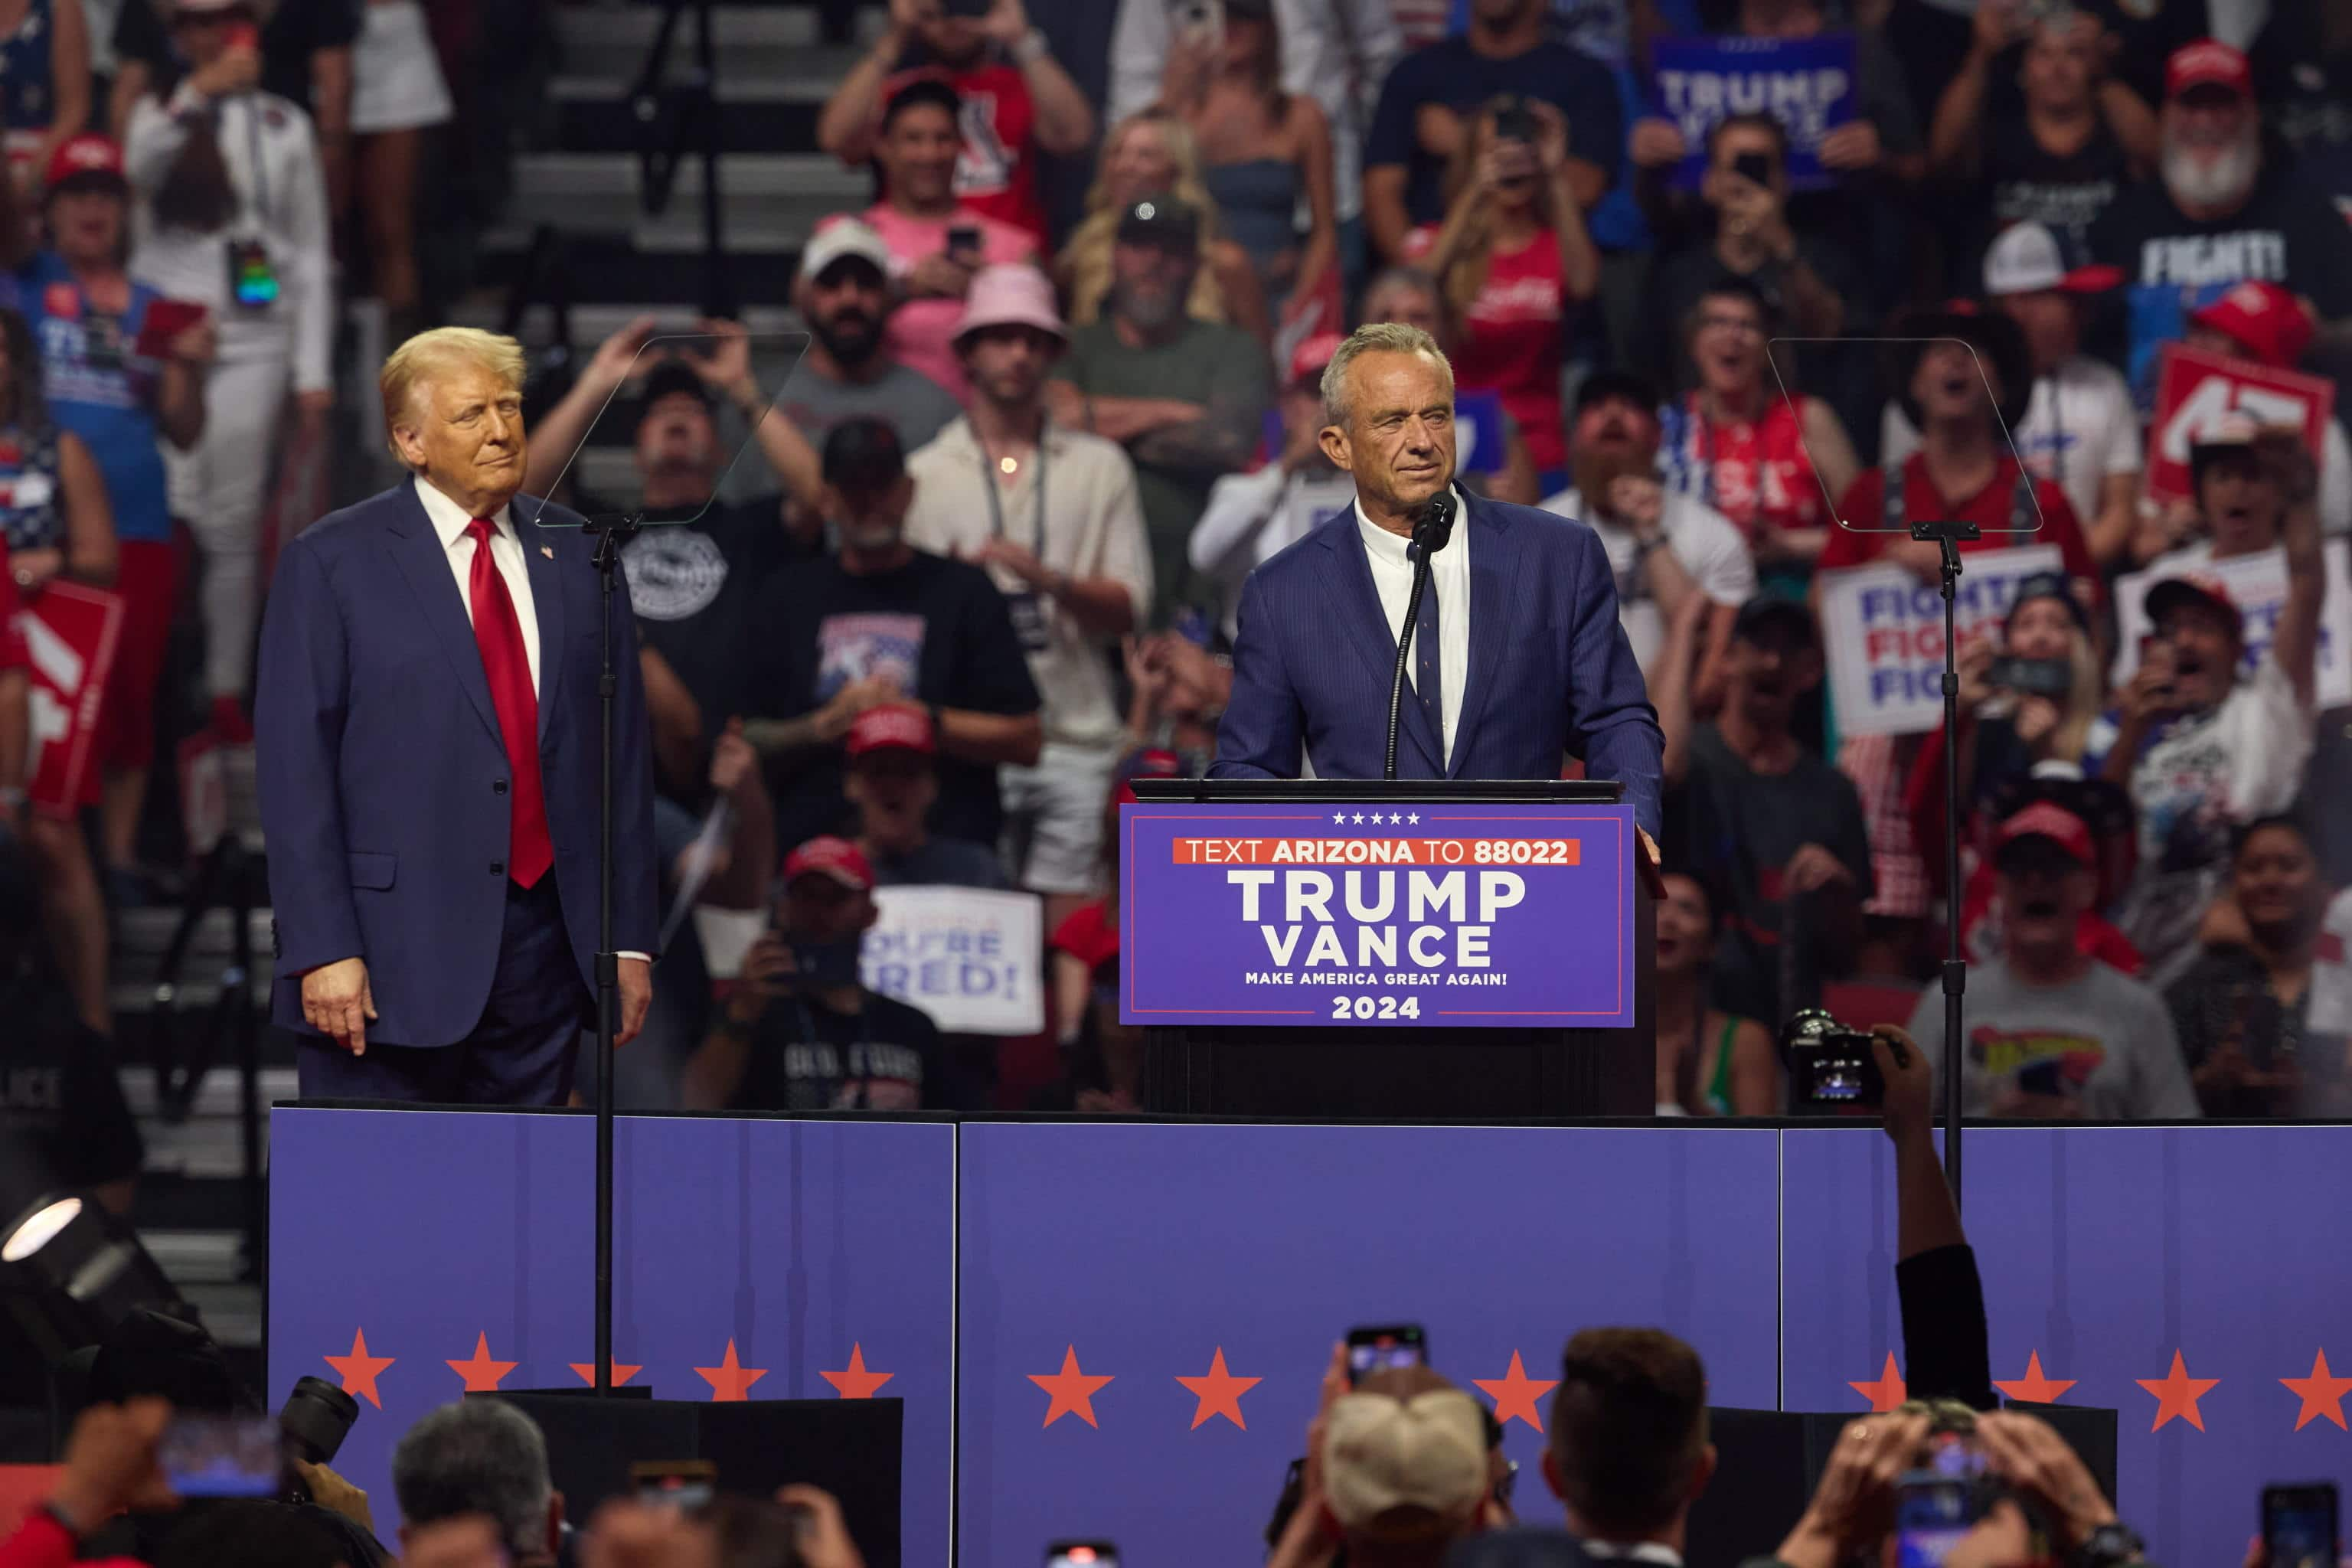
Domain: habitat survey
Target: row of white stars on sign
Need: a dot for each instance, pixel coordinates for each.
(1411, 817)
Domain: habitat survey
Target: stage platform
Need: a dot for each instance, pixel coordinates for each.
(1116, 1328)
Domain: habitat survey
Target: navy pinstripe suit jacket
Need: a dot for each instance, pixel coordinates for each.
(1550, 671)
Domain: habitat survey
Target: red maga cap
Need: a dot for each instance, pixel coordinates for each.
(2044, 819)
(2208, 62)
(88, 153)
(829, 857)
(897, 726)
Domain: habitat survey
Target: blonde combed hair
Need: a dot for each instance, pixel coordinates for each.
(416, 360)
(1372, 338)
(1083, 268)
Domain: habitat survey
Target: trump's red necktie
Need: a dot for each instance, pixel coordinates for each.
(497, 632)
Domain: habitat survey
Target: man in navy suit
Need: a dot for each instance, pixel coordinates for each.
(426, 728)
(1518, 657)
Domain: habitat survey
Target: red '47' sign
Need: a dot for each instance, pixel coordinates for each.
(2194, 390)
(70, 631)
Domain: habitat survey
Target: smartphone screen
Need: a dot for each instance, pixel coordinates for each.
(2299, 1525)
(963, 239)
(1082, 1554)
(1755, 166)
(1931, 1515)
(676, 1483)
(223, 1455)
(1371, 1350)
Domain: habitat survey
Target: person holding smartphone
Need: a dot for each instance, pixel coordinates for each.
(2205, 746)
(801, 1031)
(1517, 265)
(231, 213)
(2029, 698)
(935, 240)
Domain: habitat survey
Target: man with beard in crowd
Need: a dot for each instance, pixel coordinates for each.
(843, 295)
(1618, 495)
(2218, 214)
(1186, 397)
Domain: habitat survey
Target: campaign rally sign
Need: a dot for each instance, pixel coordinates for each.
(2258, 584)
(1413, 916)
(2195, 390)
(1885, 631)
(969, 957)
(70, 634)
(1807, 84)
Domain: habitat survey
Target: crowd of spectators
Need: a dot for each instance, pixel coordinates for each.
(1015, 482)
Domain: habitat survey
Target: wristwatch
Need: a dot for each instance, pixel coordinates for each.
(2107, 1547)
(1032, 46)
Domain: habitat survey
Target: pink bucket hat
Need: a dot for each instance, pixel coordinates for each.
(1011, 294)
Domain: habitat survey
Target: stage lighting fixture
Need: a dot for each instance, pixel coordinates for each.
(73, 1271)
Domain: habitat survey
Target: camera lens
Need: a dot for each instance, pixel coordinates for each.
(316, 1418)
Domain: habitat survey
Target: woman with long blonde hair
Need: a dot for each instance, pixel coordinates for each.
(1514, 259)
(1152, 153)
(1266, 155)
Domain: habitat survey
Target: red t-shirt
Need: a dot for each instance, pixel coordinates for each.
(996, 173)
(1512, 339)
(1088, 935)
(1757, 472)
(1990, 508)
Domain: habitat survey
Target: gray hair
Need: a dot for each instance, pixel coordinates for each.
(478, 1455)
(1372, 338)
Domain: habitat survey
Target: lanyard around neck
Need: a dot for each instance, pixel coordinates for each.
(992, 484)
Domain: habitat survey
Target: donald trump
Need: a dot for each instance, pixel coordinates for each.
(427, 729)
(1518, 658)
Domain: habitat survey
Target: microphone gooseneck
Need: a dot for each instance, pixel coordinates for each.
(1430, 535)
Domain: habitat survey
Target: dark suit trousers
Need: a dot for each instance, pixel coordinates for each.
(521, 1050)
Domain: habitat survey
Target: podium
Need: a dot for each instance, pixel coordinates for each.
(1415, 949)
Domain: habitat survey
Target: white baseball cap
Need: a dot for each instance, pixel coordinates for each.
(2026, 260)
(1381, 1454)
(845, 236)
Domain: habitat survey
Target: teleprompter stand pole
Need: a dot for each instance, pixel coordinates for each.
(610, 537)
(1950, 535)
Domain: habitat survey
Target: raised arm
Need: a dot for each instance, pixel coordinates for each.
(1954, 145)
(1670, 690)
(847, 126)
(559, 432)
(2296, 645)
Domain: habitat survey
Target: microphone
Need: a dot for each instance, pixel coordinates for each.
(1430, 535)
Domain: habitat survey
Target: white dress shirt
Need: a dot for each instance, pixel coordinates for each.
(451, 520)
(1449, 577)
